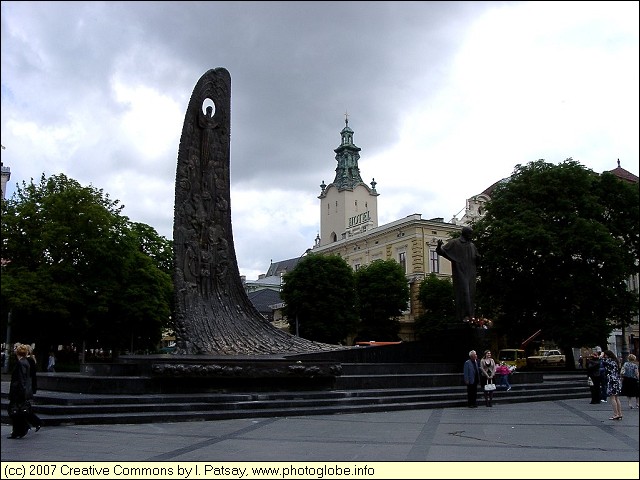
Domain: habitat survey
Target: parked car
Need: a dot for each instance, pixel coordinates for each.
(373, 343)
(546, 358)
(514, 357)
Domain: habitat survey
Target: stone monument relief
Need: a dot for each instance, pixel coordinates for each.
(213, 312)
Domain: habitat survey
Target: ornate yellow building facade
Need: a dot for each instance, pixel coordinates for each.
(349, 228)
(411, 241)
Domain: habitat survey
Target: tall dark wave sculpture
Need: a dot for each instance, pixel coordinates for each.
(213, 312)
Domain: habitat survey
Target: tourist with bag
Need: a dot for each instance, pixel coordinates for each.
(20, 393)
(487, 374)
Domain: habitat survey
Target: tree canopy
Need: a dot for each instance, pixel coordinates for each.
(320, 298)
(75, 268)
(438, 300)
(383, 294)
(558, 244)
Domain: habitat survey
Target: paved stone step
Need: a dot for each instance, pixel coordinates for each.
(116, 409)
(63, 398)
(195, 415)
(275, 401)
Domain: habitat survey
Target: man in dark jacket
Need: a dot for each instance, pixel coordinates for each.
(472, 378)
(593, 372)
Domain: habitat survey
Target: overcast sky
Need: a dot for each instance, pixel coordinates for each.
(445, 98)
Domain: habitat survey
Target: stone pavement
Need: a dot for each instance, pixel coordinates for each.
(555, 431)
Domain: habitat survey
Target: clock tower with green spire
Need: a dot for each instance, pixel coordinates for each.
(348, 206)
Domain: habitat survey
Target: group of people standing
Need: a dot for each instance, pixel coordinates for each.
(609, 379)
(480, 372)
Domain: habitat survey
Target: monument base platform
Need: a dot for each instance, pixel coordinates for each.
(195, 373)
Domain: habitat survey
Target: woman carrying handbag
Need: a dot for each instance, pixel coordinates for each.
(488, 372)
(20, 393)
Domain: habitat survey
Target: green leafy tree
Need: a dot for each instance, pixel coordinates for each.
(135, 317)
(74, 268)
(438, 301)
(383, 294)
(558, 243)
(156, 247)
(320, 299)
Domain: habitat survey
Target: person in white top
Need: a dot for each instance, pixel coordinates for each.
(487, 374)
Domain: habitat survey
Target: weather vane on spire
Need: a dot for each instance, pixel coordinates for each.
(346, 118)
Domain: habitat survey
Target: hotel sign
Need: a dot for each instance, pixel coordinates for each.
(359, 219)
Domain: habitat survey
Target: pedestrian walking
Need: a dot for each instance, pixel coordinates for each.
(487, 374)
(630, 378)
(20, 393)
(472, 378)
(31, 417)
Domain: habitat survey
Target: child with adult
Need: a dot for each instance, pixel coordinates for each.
(504, 371)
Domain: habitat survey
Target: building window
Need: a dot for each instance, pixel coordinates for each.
(356, 267)
(434, 261)
(402, 260)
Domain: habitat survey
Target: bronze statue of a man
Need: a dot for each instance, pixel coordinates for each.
(463, 255)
